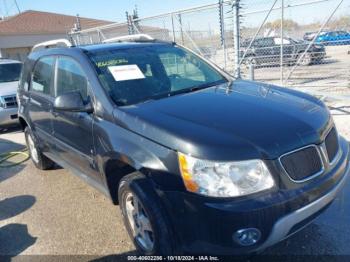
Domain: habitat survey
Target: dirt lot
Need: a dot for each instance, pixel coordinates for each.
(55, 213)
(330, 76)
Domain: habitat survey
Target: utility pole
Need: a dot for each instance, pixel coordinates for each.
(78, 25)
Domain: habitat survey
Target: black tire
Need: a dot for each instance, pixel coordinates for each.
(164, 242)
(40, 161)
(306, 60)
(251, 60)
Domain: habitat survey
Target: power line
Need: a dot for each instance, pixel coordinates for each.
(19, 10)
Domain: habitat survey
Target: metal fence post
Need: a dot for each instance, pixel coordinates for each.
(222, 31)
(236, 37)
(173, 27)
(181, 30)
(251, 72)
(282, 36)
(128, 23)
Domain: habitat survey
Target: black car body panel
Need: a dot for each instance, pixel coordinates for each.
(237, 120)
(238, 116)
(265, 50)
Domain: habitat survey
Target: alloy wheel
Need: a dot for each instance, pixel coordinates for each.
(139, 222)
(32, 149)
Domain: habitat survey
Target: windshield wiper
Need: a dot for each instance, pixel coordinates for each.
(199, 87)
(183, 91)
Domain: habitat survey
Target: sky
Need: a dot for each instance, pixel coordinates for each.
(113, 10)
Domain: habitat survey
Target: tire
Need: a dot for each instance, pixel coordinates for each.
(39, 159)
(251, 60)
(148, 217)
(307, 59)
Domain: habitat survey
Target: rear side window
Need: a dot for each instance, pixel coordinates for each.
(42, 75)
(265, 42)
(70, 77)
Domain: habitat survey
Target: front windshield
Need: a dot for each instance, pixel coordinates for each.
(10, 72)
(137, 74)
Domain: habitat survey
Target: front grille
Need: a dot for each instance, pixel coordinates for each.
(303, 163)
(10, 101)
(332, 144)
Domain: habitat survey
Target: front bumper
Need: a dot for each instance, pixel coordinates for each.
(207, 225)
(8, 116)
(318, 55)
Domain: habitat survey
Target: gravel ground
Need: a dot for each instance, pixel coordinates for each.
(55, 213)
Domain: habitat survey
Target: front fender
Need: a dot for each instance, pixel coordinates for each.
(114, 142)
(132, 152)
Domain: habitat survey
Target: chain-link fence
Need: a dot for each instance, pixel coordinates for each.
(297, 43)
(207, 30)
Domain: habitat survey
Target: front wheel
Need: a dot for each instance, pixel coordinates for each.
(38, 158)
(306, 60)
(144, 218)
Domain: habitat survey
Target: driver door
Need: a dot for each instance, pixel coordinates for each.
(73, 130)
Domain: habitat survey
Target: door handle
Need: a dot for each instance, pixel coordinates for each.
(26, 98)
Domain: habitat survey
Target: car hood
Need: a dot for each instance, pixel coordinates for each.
(236, 121)
(8, 88)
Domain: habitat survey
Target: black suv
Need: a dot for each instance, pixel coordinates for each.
(267, 50)
(199, 162)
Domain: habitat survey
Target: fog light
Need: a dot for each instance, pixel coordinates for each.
(247, 236)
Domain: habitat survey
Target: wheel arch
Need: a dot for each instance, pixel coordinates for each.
(23, 123)
(114, 169)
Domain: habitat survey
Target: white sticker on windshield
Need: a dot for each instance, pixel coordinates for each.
(126, 72)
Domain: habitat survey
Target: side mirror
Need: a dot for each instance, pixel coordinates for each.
(72, 102)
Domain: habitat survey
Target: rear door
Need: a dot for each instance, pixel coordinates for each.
(73, 130)
(264, 50)
(41, 98)
(288, 48)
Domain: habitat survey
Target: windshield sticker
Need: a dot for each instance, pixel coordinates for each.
(111, 62)
(126, 72)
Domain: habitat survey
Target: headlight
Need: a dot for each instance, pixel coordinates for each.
(224, 179)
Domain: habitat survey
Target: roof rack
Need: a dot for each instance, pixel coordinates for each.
(51, 44)
(130, 38)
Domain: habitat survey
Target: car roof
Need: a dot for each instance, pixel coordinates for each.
(121, 45)
(9, 61)
(94, 48)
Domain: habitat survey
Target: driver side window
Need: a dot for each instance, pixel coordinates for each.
(70, 77)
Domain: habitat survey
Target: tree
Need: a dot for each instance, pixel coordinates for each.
(288, 24)
(342, 22)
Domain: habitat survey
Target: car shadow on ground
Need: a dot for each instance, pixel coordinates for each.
(14, 238)
(10, 129)
(10, 207)
(7, 146)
